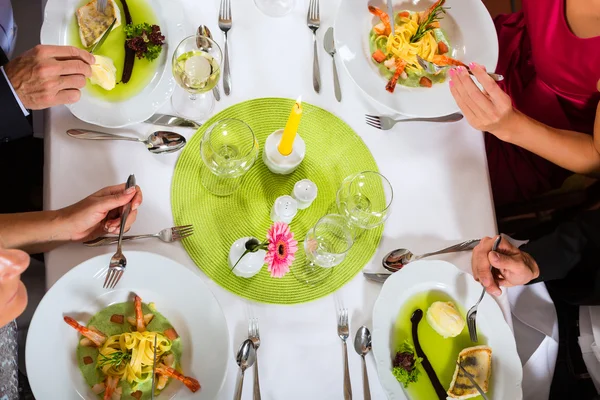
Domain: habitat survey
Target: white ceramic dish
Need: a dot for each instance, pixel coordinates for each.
(179, 295)
(423, 276)
(59, 14)
(467, 24)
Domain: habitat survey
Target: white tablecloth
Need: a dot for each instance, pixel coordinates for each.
(439, 173)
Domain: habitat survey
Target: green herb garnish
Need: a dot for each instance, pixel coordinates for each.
(114, 359)
(145, 39)
(426, 26)
(406, 364)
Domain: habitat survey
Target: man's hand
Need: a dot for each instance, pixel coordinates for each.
(46, 76)
(100, 213)
(512, 267)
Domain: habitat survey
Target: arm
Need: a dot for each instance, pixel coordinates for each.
(34, 232)
(493, 112)
(15, 124)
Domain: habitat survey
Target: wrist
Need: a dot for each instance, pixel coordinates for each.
(61, 225)
(512, 124)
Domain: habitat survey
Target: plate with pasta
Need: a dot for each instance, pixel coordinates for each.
(103, 341)
(391, 66)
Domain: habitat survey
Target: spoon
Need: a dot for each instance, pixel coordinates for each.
(157, 143)
(362, 345)
(245, 358)
(203, 31)
(396, 259)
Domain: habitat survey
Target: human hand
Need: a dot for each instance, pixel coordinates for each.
(512, 267)
(100, 213)
(489, 110)
(46, 76)
(13, 295)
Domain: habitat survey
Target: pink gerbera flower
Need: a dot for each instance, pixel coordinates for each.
(281, 250)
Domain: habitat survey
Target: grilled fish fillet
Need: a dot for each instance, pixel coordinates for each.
(93, 24)
(478, 362)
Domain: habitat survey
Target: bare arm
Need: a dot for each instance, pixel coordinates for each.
(33, 232)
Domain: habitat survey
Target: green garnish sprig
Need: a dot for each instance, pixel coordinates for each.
(424, 27)
(114, 359)
(406, 374)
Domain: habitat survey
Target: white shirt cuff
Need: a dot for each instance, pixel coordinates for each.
(25, 112)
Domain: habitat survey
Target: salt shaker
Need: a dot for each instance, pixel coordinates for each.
(284, 209)
(305, 192)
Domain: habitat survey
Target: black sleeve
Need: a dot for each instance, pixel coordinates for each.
(561, 251)
(14, 123)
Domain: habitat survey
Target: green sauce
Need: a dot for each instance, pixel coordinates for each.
(114, 48)
(101, 321)
(442, 353)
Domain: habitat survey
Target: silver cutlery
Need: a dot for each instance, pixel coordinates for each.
(398, 258)
(472, 313)
(246, 356)
(100, 42)
(329, 44)
(153, 368)
(390, 8)
(343, 332)
(118, 262)
(203, 31)
(313, 20)
(376, 276)
(172, 120)
(157, 142)
(362, 345)
(225, 25)
(387, 123)
(434, 69)
(167, 235)
(101, 6)
(254, 335)
(468, 375)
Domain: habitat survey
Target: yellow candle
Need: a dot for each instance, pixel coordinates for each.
(291, 128)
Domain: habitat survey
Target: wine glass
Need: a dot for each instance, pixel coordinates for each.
(228, 149)
(365, 199)
(196, 68)
(326, 245)
(275, 8)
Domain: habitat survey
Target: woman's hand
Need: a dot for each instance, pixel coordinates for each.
(100, 213)
(489, 110)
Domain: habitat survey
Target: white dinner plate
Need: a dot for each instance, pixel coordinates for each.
(469, 29)
(423, 276)
(59, 15)
(179, 295)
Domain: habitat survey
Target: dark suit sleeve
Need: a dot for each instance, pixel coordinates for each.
(560, 252)
(14, 123)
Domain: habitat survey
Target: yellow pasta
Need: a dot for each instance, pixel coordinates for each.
(399, 45)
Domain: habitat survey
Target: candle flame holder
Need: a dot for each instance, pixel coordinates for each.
(278, 163)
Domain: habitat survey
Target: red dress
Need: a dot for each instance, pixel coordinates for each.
(551, 76)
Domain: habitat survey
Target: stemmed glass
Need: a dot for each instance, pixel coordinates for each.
(196, 68)
(326, 245)
(275, 8)
(360, 201)
(228, 149)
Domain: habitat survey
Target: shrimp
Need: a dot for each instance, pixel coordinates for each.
(167, 360)
(425, 14)
(111, 386)
(442, 60)
(139, 316)
(384, 18)
(400, 65)
(96, 337)
(191, 383)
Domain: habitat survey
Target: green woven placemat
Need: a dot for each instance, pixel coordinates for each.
(333, 151)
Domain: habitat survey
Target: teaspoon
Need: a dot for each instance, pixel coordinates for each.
(396, 259)
(158, 142)
(362, 345)
(203, 31)
(245, 358)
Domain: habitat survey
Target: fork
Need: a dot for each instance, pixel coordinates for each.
(225, 25)
(118, 262)
(314, 22)
(343, 332)
(167, 235)
(435, 69)
(101, 5)
(254, 335)
(386, 123)
(472, 314)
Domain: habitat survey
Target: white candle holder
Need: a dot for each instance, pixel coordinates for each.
(284, 209)
(278, 163)
(248, 266)
(305, 192)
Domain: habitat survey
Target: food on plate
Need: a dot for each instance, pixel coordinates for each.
(445, 319)
(104, 73)
(405, 364)
(145, 39)
(478, 362)
(416, 34)
(93, 23)
(116, 351)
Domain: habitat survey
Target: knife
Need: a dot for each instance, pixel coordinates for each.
(172, 120)
(376, 277)
(153, 368)
(391, 15)
(468, 375)
(103, 38)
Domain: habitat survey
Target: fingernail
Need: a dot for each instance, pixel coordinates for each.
(452, 73)
(473, 65)
(494, 257)
(485, 281)
(497, 292)
(130, 190)
(112, 229)
(135, 206)
(451, 83)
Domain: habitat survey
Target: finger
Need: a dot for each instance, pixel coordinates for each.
(65, 53)
(506, 247)
(461, 102)
(115, 189)
(489, 85)
(479, 257)
(480, 104)
(505, 263)
(73, 67)
(67, 96)
(112, 201)
(71, 82)
(130, 220)
(114, 225)
(137, 199)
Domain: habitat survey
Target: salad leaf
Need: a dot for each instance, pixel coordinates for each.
(406, 365)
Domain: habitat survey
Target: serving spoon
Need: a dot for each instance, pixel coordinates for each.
(245, 358)
(396, 259)
(157, 143)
